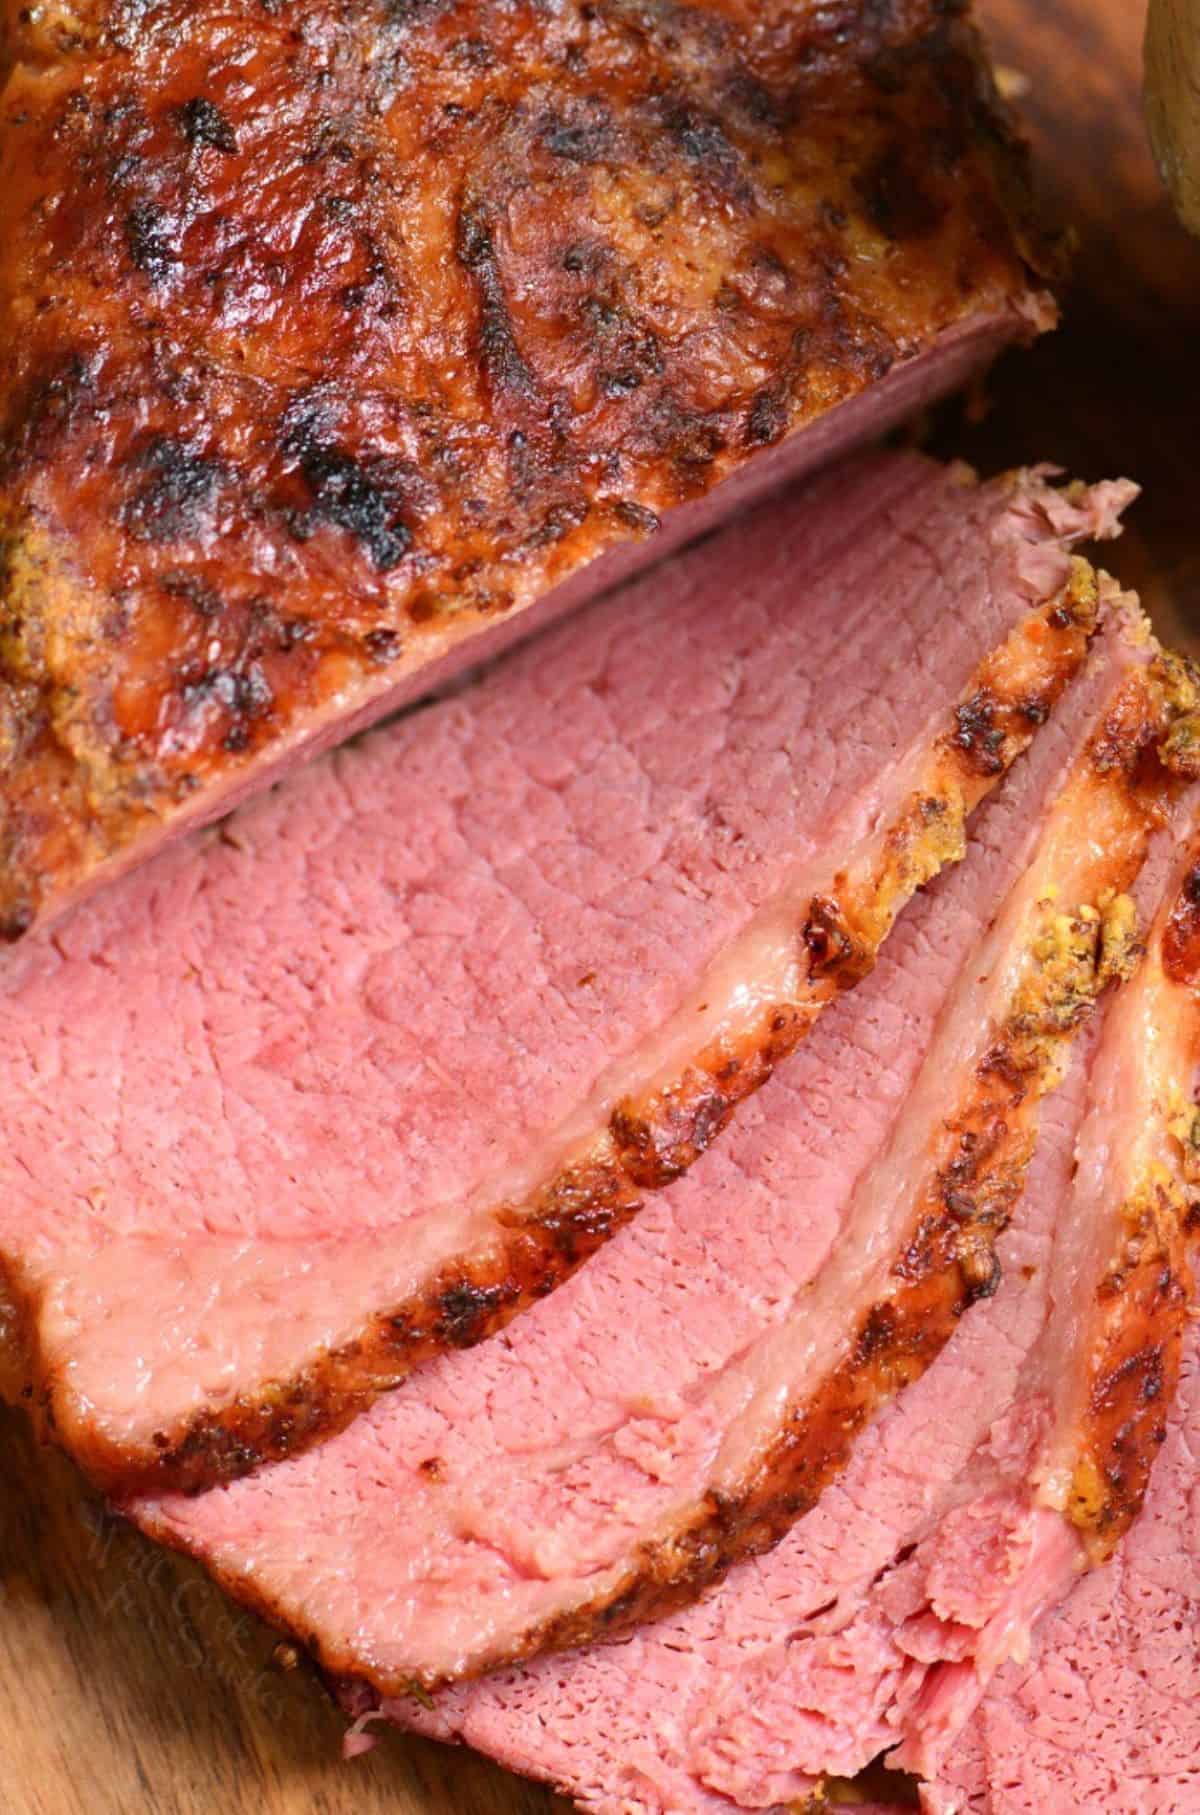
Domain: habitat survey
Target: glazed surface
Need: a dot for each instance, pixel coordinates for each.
(333, 333)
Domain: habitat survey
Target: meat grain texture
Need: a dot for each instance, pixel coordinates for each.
(337, 340)
(529, 949)
(1101, 1711)
(1102, 1714)
(796, 1667)
(547, 1501)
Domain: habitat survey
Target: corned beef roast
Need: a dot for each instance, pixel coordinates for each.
(338, 343)
(925, 1596)
(1102, 1713)
(340, 346)
(350, 1080)
(901, 1580)
(1096, 1391)
(542, 1490)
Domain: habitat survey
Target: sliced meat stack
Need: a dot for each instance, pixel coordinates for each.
(338, 343)
(1100, 1713)
(519, 1498)
(341, 346)
(355, 1077)
(882, 1616)
(1096, 1390)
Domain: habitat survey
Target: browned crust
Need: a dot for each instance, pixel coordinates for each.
(648, 1141)
(979, 1158)
(1143, 1299)
(303, 374)
(14, 1343)
(1137, 1347)
(1181, 935)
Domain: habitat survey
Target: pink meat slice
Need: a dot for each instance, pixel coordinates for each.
(750, 1697)
(626, 1729)
(1097, 1386)
(263, 1089)
(902, 1658)
(1102, 1713)
(531, 1467)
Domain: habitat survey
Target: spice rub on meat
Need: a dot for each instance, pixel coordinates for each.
(361, 1074)
(333, 337)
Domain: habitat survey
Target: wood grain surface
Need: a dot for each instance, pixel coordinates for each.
(1117, 389)
(130, 1686)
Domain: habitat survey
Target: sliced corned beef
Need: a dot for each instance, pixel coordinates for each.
(625, 1728)
(1102, 1714)
(336, 340)
(658, 1722)
(349, 1080)
(692, 1392)
(1095, 1394)
(918, 1633)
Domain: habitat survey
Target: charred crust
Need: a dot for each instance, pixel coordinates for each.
(365, 498)
(1142, 1302)
(832, 948)
(636, 517)
(202, 123)
(878, 1335)
(1141, 743)
(981, 1271)
(187, 254)
(466, 1311)
(766, 419)
(499, 349)
(657, 1149)
(1181, 937)
(171, 501)
(1003, 1060)
(148, 238)
(978, 735)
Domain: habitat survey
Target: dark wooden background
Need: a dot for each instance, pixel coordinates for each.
(130, 1686)
(1117, 390)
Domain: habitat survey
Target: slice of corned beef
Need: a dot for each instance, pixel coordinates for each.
(1100, 1712)
(339, 342)
(917, 1630)
(1094, 1397)
(350, 1080)
(690, 1395)
(628, 1726)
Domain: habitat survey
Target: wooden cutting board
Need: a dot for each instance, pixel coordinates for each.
(130, 1685)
